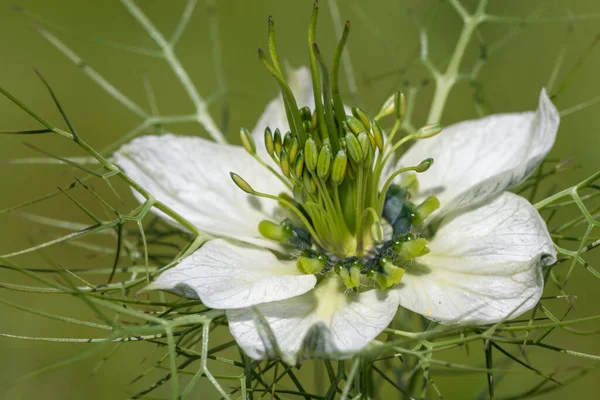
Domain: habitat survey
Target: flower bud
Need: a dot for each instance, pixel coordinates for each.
(362, 117)
(311, 153)
(278, 232)
(241, 183)
(338, 171)
(247, 141)
(324, 162)
(377, 134)
(311, 262)
(354, 148)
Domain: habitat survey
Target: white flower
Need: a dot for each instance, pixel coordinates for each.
(485, 257)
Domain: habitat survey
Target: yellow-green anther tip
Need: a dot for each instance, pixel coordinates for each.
(273, 231)
(247, 141)
(362, 116)
(324, 162)
(241, 183)
(377, 134)
(269, 145)
(365, 144)
(390, 276)
(340, 163)
(355, 125)
(353, 147)
(424, 165)
(311, 154)
(428, 131)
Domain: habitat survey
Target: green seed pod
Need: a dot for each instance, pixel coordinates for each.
(355, 125)
(324, 162)
(293, 152)
(277, 141)
(365, 145)
(377, 134)
(362, 116)
(354, 148)
(284, 163)
(428, 131)
(311, 153)
(241, 183)
(269, 145)
(340, 163)
(247, 141)
(299, 165)
(278, 232)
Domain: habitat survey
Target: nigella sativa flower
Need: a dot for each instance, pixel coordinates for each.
(320, 234)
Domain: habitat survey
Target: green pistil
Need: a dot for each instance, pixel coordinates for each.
(332, 164)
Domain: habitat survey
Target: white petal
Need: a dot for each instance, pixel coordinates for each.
(323, 322)
(225, 275)
(191, 175)
(475, 160)
(484, 265)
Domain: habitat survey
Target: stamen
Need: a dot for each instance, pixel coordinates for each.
(277, 232)
(311, 262)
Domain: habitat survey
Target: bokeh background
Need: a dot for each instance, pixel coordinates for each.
(384, 50)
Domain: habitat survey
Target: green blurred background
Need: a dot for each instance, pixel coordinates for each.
(383, 47)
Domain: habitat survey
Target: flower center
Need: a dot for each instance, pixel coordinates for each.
(333, 164)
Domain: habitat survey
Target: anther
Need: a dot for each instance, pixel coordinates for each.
(284, 162)
(428, 131)
(388, 274)
(340, 163)
(354, 148)
(355, 125)
(362, 117)
(241, 183)
(299, 165)
(377, 134)
(311, 154)
(269, 145)
(247, 141)
(277, 141)
(324, 162)
(350, 273)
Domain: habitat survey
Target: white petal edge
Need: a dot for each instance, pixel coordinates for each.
(191, 175)
(226, 275)
(476, 160)
(485, 265)
(344, 322)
